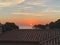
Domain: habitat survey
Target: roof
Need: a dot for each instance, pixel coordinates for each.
(28, 35)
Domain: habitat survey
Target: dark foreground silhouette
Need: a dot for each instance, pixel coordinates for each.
(8, 26)
(30, 37)
(51, 25)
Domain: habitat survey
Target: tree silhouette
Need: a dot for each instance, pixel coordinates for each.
(57, 24)
(9, 26)
(39, 26)
(51, 25)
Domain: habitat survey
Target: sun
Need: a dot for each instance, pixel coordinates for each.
(31, 24)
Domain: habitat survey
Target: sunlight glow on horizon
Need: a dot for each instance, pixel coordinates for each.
(29, 12)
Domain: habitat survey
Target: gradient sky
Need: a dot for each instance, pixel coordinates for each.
(29, 11)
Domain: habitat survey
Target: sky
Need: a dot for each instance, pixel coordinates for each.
(29, 12)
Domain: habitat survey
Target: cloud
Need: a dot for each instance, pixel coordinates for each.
(48, 10)
(27, 7)
(36, 3)
(27, 13)
(6, 3)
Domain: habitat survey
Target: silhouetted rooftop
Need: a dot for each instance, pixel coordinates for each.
(28, 35)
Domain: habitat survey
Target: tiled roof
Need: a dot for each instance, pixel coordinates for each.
(28, 35)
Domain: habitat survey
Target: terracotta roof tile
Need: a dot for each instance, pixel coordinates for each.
(28, 35)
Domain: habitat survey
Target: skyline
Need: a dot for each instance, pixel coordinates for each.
(29, 11)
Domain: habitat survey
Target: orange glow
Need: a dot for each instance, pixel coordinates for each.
(31, 21)
(28, 21)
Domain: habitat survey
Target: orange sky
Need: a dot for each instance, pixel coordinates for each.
(31, 21)
(29, 12)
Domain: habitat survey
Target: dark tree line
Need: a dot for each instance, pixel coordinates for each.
(39, 26)
(51, 25)
(9, 26)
